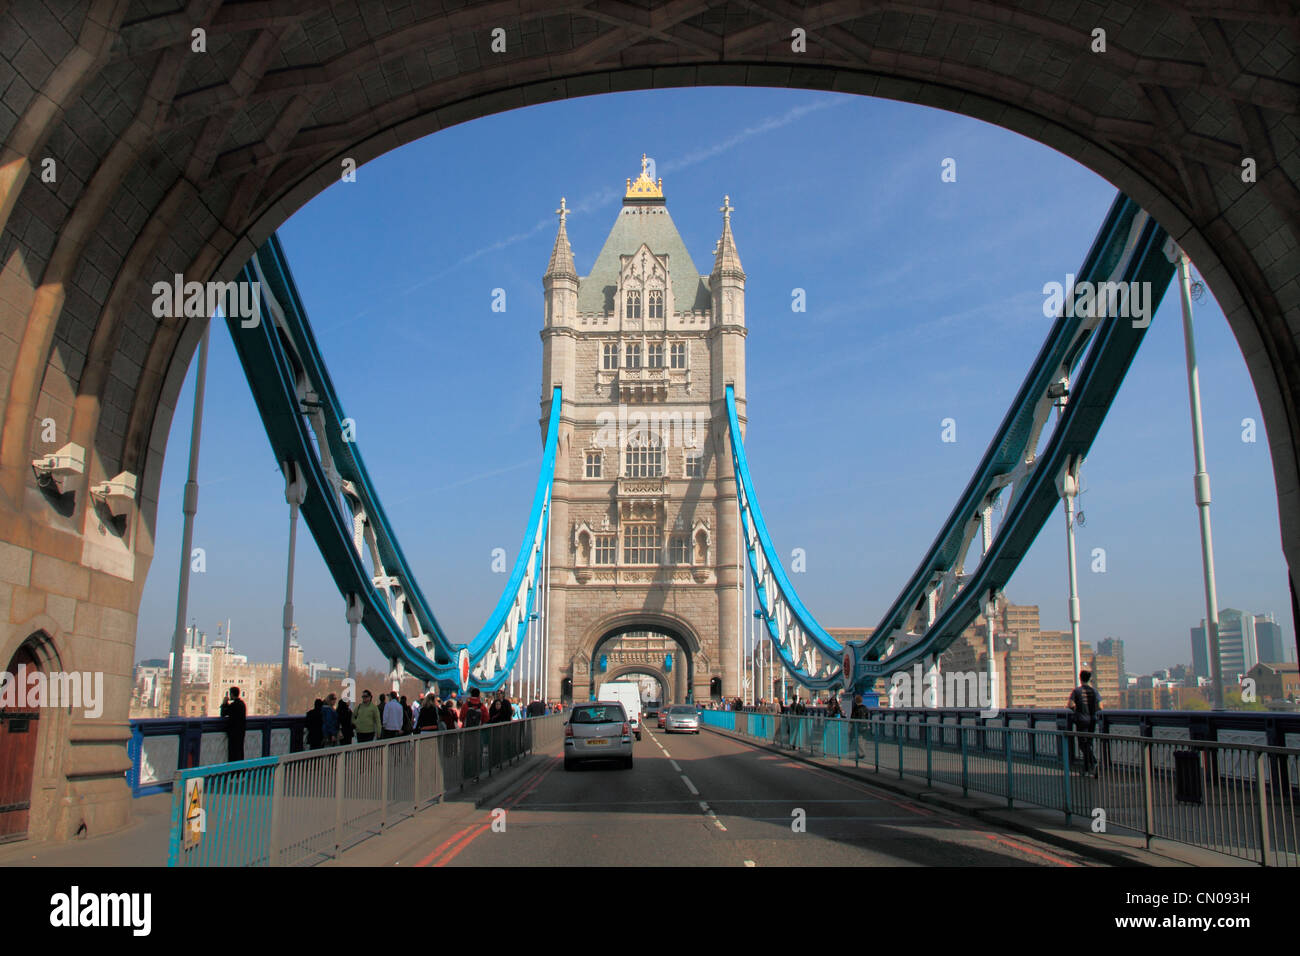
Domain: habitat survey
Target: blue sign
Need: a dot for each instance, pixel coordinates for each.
(602, 663)
(668, 662)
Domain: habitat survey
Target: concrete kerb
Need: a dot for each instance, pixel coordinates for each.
(1027, 821)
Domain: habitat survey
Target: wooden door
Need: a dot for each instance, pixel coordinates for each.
(19, 728)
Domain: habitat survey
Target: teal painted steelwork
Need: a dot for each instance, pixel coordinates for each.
(237, 809)
(771, 607)
(1093, 355)
(1133, 244)
(1114, 344)
(291, 386)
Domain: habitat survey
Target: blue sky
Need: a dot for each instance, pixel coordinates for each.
(924, 301)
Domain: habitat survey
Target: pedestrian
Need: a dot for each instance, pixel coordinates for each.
(236, 714)
(450, 719)
(408, 721)
(329, 720)
(345, 722)
(536, 708)
(858, 712)
(315, 725)
(472, 712)
(1084, 704)
(367, 719)
(833, 710)
(428, 714)
(392, 716)
(415, 715)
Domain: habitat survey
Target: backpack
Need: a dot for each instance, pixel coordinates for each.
(474, 715)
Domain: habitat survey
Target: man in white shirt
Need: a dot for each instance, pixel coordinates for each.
(392, 717)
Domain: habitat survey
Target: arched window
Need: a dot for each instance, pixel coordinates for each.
(656, 310)
(634, 305)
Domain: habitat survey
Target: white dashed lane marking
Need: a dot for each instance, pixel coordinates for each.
(690, 786)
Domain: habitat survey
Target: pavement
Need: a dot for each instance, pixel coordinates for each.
(143, 842)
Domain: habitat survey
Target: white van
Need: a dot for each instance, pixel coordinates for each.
(629, 695)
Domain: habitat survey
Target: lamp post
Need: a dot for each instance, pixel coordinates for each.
(295, 491)
(189, 507)
(1201, 480)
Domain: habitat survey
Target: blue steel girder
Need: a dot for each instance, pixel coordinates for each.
(1081, 364)
(807, 652)
(306, 426)
(1129, 248)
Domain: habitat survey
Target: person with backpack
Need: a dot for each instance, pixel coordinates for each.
(472, 711)
(1084, 704)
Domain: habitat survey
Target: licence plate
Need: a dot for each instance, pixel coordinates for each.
(597, 742)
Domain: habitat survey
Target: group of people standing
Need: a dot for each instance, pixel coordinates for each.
(332, 722)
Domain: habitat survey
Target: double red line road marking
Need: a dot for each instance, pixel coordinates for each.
(448, 850)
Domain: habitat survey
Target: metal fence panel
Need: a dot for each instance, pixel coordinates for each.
(1232, 796)
(302, 808)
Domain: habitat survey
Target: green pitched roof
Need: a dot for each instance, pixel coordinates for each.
(651, 224)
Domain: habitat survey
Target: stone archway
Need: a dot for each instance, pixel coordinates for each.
(658, 673)
(694, 669)
(135, 157)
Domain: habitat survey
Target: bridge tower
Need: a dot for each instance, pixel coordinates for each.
(644, 526)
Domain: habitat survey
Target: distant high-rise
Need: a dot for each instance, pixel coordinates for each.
(1238, 651)
(1268, 640)
(1114, 647)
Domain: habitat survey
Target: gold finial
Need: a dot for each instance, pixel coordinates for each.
(563, 211)
(644, 187)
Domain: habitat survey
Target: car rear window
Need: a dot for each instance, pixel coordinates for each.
(598, 714)
(681, 710)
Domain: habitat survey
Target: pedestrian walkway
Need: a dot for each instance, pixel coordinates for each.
(142, 842)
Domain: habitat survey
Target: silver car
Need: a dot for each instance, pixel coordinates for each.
(684, 718)
(598, 731)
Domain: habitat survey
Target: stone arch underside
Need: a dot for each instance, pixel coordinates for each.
(174, 162)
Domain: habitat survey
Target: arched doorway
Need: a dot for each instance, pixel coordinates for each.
(664, 652)
(19, 732)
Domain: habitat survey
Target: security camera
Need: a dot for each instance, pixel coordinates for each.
(54, 471)
(117, 494)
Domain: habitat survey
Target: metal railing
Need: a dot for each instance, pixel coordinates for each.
(160, 746)
(1235, 799)
(300, 809)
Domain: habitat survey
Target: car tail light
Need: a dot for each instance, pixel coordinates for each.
(627, 728)
(568, 730)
